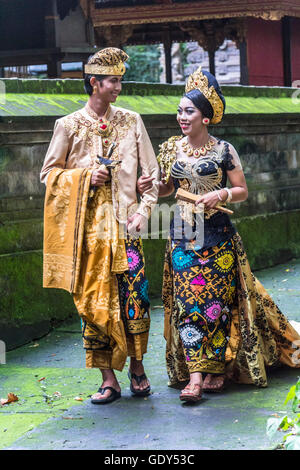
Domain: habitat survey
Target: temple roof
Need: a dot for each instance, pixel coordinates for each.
(126, 12)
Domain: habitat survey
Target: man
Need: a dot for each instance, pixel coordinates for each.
(87, 206)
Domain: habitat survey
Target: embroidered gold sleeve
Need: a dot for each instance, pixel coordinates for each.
(167, 156)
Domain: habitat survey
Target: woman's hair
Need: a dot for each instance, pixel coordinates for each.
(201, 103)
(199, 99)
(87, 86)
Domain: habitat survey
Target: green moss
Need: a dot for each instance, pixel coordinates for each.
(76, 86)
(60, 105)
(23, 301)
(60, 97)
(21, 235)
(270, 239)
(32, 409)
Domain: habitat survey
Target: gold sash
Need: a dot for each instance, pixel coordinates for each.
(64, 215)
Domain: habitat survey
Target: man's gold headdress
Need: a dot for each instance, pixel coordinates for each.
(199, 81)
(109, 61)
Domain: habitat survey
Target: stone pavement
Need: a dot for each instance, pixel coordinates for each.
(55, 413)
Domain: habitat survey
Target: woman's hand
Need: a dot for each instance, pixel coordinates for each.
(210, 200)
(99, 177)
(136, 224)
(144, 183)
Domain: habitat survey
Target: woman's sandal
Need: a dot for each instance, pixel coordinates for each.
(192, 392)
(112, 397)
(138, 379)
(213, 389)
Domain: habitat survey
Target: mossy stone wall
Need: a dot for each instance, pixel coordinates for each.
(262, 123)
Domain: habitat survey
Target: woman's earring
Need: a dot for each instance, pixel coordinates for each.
(94, 90)
(206, 121)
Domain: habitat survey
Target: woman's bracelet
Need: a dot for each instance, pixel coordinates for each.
(229, 194)
(219, 195)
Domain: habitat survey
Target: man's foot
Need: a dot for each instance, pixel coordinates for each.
(110, 389)
(105, 395)
(214, 383)
(139, 383)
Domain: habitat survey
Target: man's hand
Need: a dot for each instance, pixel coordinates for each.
(99, 177)
(136, 224)
(144, 183)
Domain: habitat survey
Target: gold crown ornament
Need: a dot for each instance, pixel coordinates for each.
(199, 81)
(109, 61)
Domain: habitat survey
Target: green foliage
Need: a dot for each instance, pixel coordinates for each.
(144, 65)
(289, 423)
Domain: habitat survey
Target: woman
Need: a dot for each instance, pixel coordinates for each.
(219, 320)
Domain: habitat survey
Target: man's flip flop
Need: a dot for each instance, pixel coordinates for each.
(112, 397)
(138, 379)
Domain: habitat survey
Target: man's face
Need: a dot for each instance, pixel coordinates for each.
(109, 88)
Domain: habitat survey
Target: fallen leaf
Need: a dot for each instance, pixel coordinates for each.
(11, 397)
(34, 345)
(43, 378)
(147, 436)
(72, 417)
(78, 399)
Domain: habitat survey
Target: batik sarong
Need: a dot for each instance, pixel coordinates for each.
(204, 290)
(112, 302)
(233, 325)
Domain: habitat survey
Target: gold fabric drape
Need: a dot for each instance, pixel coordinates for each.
(64, 216)
(83, 254)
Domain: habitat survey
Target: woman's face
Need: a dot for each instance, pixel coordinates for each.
(189, 117)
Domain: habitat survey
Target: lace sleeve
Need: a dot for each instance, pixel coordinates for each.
(166, 156)
(231, 158)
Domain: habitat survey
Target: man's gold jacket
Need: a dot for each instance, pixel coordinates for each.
(79, 137)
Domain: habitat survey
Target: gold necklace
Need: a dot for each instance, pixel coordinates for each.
(198, 152)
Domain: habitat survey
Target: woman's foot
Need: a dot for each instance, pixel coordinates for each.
(214, 383)
(193, 391)
(110, 389)
(139, 383)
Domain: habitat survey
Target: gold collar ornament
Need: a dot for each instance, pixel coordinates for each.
(109, 61)
(197, 152)
(199, 81)
(103, 127)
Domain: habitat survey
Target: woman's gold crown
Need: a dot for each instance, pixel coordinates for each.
(109, 61)
(199, 81)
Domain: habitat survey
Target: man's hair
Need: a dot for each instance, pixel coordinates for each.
(87, 86)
